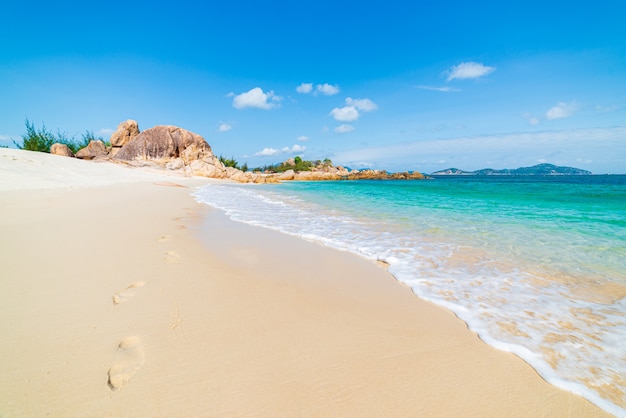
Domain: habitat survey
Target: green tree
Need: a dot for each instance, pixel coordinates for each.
(41, 140)
(34, 140)
(301, 165)
(229, 162)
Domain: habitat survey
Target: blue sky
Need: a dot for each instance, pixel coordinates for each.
(394, 85)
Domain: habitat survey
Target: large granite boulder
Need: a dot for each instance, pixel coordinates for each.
(287, 175)
(93, 150)
(61, 149)
(164, 143)
(174, 148)
(124, 133)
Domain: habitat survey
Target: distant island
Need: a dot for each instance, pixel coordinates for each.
(536, 170)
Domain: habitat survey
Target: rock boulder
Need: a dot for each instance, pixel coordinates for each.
(174, 148)
(164, 143)
(124, 133)
(61, 149)
(287, 175)
(93, 150)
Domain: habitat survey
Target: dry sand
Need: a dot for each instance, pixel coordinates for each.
(122, 296)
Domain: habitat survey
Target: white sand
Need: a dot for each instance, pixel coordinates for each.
(111, 305)
(26, 170)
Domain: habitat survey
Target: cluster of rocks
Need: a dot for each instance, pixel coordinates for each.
(179, 150)
(168, 147)
(330, 172)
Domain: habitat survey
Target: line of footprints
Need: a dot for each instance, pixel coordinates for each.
(130, 355)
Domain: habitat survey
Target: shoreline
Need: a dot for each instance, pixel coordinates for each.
(215, 317)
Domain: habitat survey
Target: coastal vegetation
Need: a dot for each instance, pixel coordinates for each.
(231, 162)
(42, 139)
(296, 164)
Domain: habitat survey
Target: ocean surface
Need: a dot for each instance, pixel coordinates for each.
(535, 265)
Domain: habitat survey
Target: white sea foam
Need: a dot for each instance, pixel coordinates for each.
(575, 344)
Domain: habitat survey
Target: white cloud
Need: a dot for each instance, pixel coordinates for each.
(303, 138)
(562, 110)
(305, 88)
(224, 127)
(350, 113)
(467, 70)
(530, 118)
(105, 132)
(255, 98)
(444, 89)
(327, 89)
(342, 129)
(345, 114)
(295, 148)
(606, 109)
(267, 152)
(365, 105)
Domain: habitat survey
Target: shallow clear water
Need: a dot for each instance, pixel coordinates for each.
(534, 265)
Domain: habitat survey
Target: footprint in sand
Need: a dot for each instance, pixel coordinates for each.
(127, 293)
(130, 357)
(172, 257)
(164, 238)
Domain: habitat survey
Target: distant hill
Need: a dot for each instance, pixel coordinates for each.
(536, 170)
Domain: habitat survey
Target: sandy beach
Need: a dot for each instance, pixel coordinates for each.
(122, 296)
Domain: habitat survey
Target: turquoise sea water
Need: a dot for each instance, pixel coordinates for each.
(535, 265)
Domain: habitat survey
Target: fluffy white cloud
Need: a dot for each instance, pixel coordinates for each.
(562, 110)
(224, 127)
(350, 113)
(468, 70)
(267, 152)
(327, 89)
(305, 88)
(303, 138)
(295, 148)
(345, 114)
(365, 105)
(255, 98)
(345, 128)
